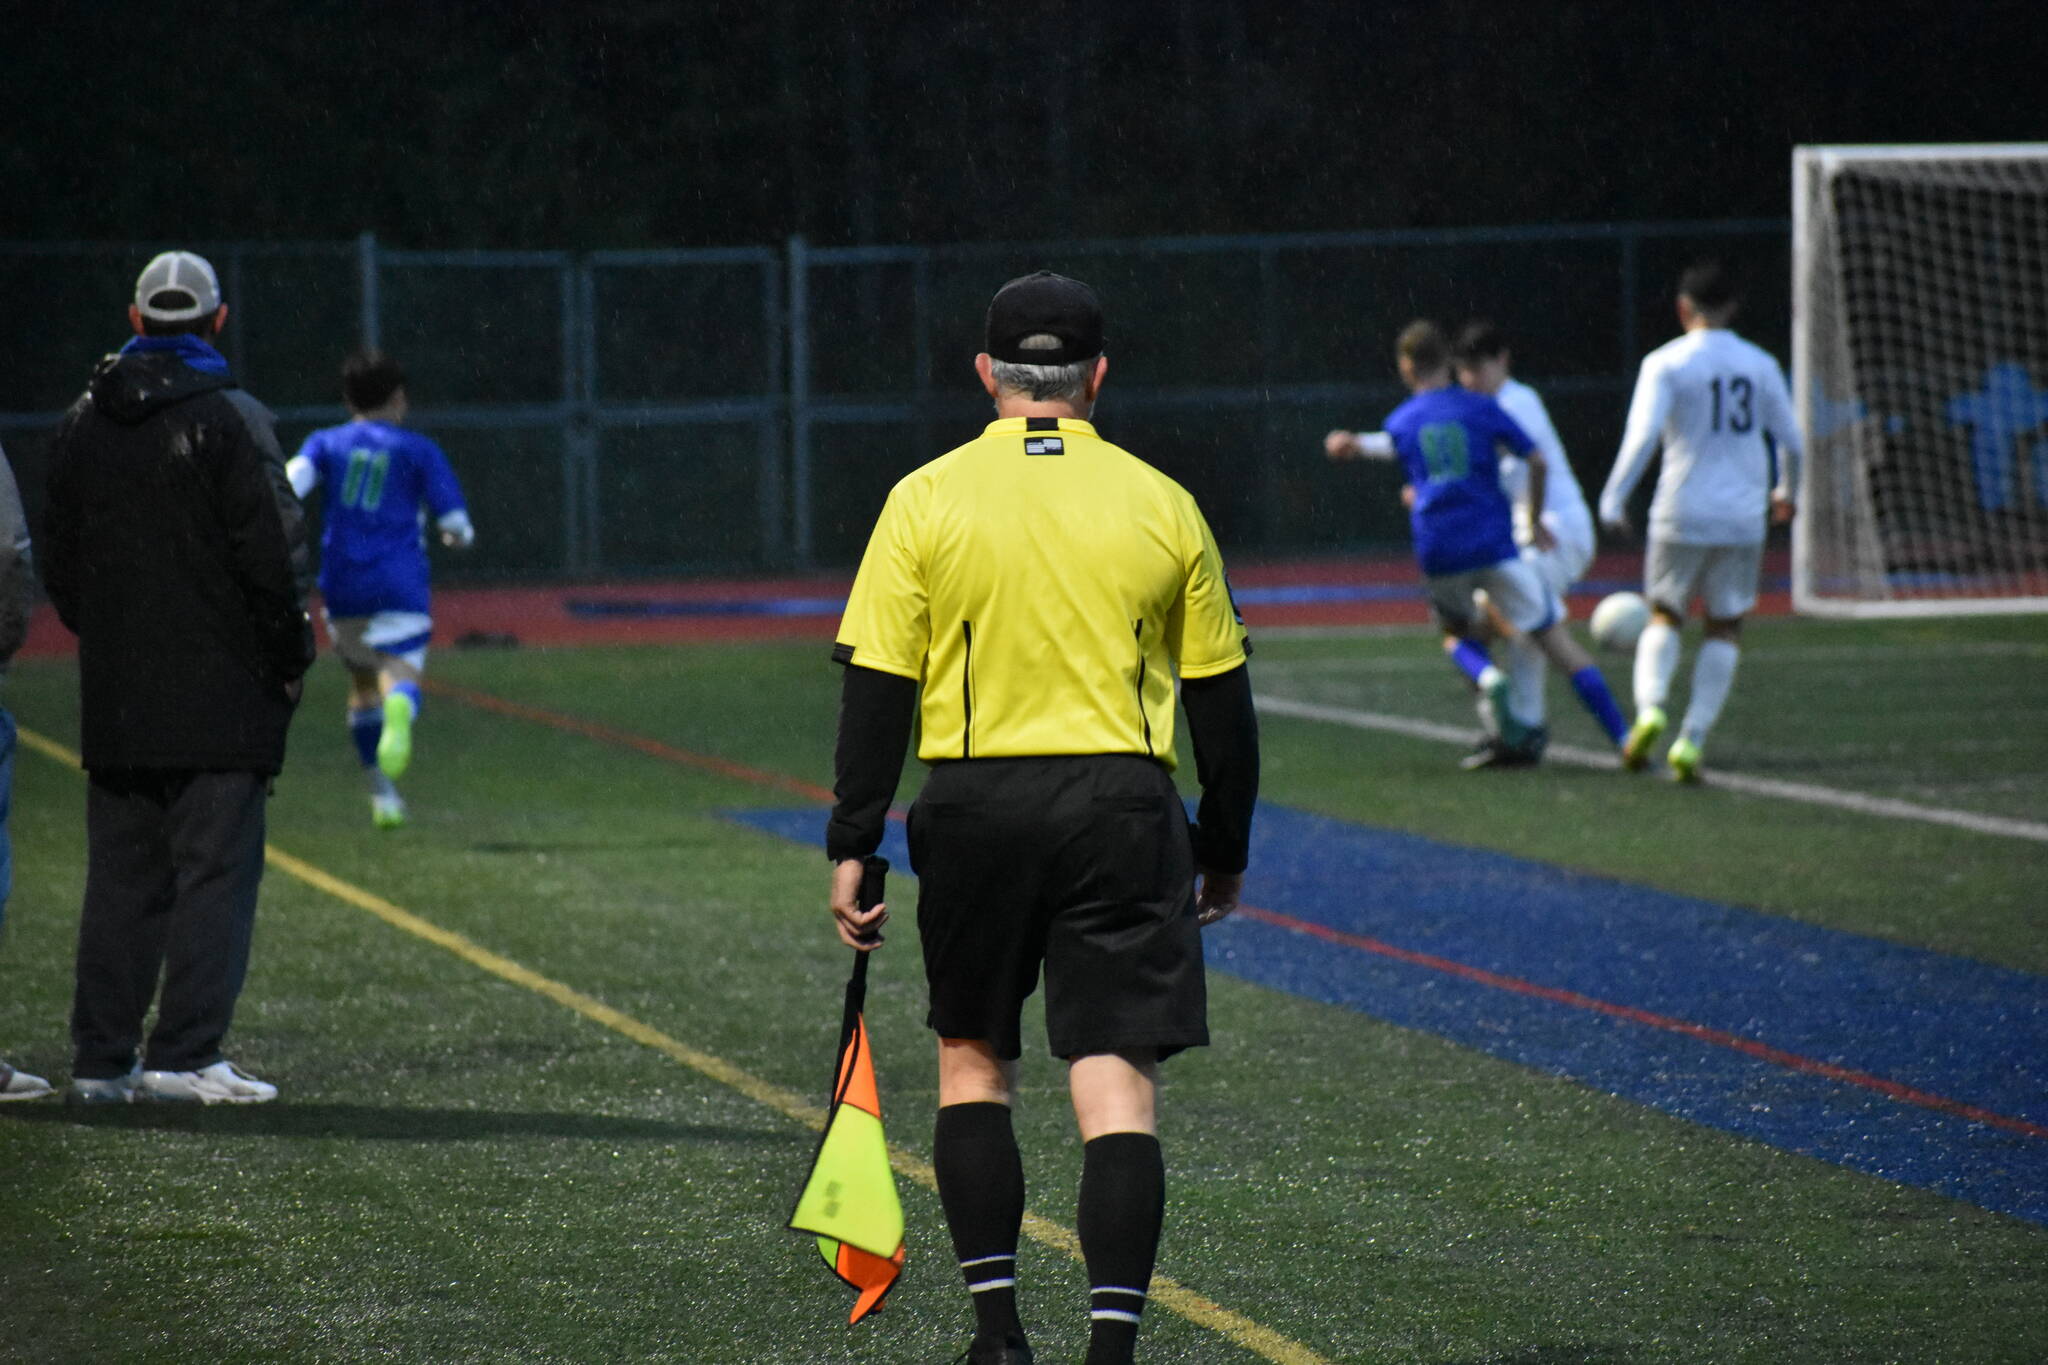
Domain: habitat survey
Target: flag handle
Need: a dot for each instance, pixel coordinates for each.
(874, 875)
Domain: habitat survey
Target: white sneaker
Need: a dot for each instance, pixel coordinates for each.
(20, 1085)
(221, 1083)
(104, 1090)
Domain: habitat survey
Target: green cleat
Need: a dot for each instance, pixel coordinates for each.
(394, 746)
(1642, 736)
(1511, 732)
(1684, 759)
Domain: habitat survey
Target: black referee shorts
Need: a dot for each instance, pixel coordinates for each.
(1082, 863)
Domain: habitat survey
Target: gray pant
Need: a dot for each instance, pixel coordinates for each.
(173, 863)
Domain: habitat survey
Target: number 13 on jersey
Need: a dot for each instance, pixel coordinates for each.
(1738, 411)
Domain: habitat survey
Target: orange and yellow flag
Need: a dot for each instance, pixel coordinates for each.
(850, 1201)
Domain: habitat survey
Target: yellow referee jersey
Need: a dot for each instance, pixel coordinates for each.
(1045, 586)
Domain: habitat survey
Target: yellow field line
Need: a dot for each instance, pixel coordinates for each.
(1169, 1293)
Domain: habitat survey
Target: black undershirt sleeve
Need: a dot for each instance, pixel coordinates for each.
(875, 711)
(1224, 729)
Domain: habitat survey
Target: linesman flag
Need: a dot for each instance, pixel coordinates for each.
(850, 1200)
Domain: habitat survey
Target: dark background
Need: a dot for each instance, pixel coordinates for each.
(587, 127)
(519, 123)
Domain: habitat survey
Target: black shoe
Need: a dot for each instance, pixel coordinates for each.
(1481, 755)
(1491, 753)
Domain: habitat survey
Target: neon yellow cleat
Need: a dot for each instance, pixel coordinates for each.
(1684, 759)
(394, 746)
(1642, 737)
(387, 811)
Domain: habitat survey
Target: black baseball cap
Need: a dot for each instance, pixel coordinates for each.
(1045, 304)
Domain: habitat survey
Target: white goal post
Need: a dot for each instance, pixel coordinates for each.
(1920, 374)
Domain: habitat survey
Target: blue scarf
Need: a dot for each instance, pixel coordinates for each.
(188, 348)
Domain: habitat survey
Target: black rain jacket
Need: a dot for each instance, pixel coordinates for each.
(174, 548)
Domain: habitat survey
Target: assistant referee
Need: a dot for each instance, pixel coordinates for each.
(1047, 588)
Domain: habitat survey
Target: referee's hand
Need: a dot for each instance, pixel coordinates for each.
(857, 928)
(1216, 895)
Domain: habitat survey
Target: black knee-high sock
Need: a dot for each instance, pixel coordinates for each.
(1123, 1202)
(981, 1185)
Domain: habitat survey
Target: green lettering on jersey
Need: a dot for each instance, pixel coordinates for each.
(1445, 451)
(363, 485)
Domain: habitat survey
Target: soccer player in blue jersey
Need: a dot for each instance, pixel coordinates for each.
(383, 482)
(1449, 441)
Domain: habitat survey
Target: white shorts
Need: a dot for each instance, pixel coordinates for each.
(1560, 566)
(364, 642)
(1515, 586)
(1724, 577)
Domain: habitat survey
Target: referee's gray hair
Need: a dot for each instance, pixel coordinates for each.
(1044, 383)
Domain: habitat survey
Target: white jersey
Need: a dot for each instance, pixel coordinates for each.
(1711, 398)
(1564, 504)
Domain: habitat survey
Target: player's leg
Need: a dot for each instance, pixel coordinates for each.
(1474, 661)
(1562, 566)
(1526, 699)
(1557, 568)
(1728, 590)
(1670, 573)
(393, 646)
(981, 1187)
(1519, 592)
(1451, 599)
(979, 856)
(366, 714)
(399, 680)
(1570, 658)
(1522, 700)
(1123, 1192)
(1488, 624)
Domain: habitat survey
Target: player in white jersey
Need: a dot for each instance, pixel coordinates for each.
(1560, 557)
(1711, 398)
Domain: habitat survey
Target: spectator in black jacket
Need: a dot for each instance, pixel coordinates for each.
(174, 548)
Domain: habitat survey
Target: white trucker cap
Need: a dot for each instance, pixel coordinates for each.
(176, 287)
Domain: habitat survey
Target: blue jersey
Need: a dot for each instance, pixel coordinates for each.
(1447, 439)
(373, 549)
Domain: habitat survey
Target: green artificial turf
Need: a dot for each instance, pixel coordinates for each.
(461, 1169)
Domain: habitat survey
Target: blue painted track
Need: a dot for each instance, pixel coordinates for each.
(1962, 1030)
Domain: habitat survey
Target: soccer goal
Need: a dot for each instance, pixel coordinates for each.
(1920, 372)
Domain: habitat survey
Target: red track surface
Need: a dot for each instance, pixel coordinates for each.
(541, 616)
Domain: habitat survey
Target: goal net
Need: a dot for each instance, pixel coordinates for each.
(1920, 371)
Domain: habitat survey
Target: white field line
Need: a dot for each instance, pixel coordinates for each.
(1810, 654)
(1166, 1291)
(1808, 793)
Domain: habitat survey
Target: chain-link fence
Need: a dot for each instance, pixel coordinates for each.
(746, 409)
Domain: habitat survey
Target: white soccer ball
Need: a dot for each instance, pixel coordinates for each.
(1619, 620)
